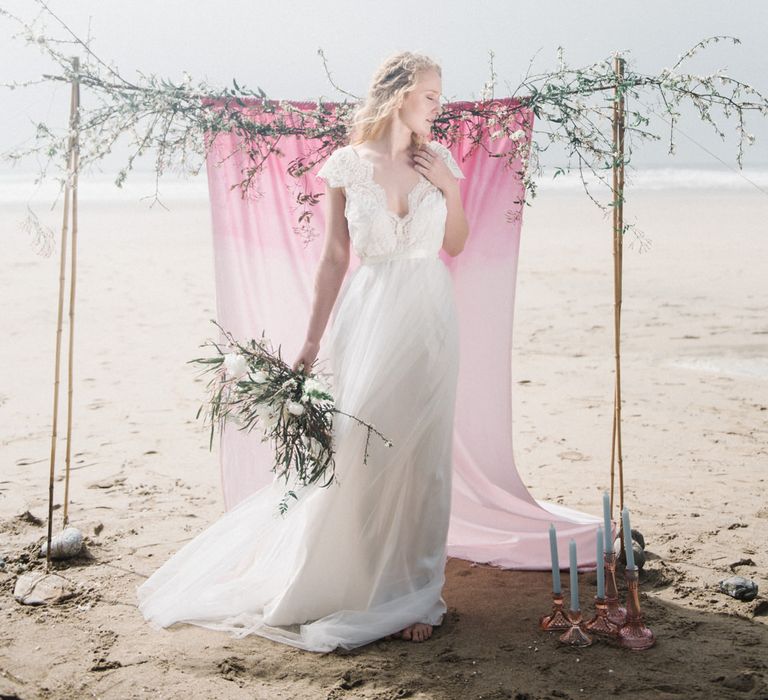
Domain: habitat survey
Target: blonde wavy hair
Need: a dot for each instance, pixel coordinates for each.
(391, 82)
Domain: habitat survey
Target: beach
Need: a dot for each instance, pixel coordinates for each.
(695, 445)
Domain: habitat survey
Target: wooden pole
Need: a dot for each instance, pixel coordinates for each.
(75, 121)
(62, 268)
(618, 232)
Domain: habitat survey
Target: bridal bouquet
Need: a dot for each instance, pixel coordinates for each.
(253, 387)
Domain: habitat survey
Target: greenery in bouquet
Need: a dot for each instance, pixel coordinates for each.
(252, 386)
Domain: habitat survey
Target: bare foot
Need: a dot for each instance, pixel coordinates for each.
(395, 635)
(417, 632)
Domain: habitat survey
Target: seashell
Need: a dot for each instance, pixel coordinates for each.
(68, 543)
(739, 587)
(35, 588)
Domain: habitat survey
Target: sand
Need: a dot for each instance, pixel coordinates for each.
(695, 383)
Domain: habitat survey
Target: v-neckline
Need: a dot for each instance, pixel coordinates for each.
(383, 193)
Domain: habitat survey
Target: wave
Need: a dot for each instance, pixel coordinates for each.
(19, 188)
(656, 179)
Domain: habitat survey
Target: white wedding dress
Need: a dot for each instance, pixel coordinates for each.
(355, 561)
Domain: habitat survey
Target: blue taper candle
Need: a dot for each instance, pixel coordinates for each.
(628, 539)
(556, 587)
(574, 576)
(600, 564)
(607, 527)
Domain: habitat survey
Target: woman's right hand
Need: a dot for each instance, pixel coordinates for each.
(307, 356)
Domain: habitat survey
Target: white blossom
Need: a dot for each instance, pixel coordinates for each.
(314, 390)
(267, 416)
(259, 377)
(235, 365)
(294, 407)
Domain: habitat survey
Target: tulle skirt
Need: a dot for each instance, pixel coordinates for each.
(365, 557)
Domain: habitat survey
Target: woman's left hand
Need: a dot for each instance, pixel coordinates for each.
(435, 169)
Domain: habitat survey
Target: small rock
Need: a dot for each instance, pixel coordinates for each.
(637, 550)
(637, 536)
(739, 587)
(35, 588)
(68, 543)
(639, 555)
(98, 528)
(760, 609)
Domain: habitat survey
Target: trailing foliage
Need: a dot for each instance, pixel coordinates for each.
(178, 120)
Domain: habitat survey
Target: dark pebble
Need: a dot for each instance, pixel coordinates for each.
(739, 587)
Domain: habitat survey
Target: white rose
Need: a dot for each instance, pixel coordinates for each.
(313, 389)
(266, 416)
(235, 365)
(259, 377)
(312, 384)
(294, 407)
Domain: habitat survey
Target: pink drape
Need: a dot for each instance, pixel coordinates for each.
(264, 280)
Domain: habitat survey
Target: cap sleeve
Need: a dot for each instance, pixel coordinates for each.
(448, 158)
(333, 171)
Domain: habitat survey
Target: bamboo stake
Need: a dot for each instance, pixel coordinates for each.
(618, 231)
(75, 120)
(62, 268)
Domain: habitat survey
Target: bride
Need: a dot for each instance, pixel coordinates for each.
(364, 558)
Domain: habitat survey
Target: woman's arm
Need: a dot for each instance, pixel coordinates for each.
(333, 265)
(434, 166)
(456, 225)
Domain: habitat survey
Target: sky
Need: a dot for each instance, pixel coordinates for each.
(274, 45)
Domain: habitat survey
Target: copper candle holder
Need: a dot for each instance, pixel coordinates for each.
(616, 614)
(557, 620)
(634, 634)
(575, 635)
(601, 623)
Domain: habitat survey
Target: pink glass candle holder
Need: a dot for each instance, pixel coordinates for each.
(576, 635)
(616, 614)
(634, 634)
(557, 619)
(600, 623)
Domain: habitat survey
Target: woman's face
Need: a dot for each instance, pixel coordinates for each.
(422, 104)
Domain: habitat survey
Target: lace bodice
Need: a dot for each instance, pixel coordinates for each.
(374, 229)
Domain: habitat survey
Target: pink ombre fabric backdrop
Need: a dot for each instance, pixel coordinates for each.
(264, 280)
